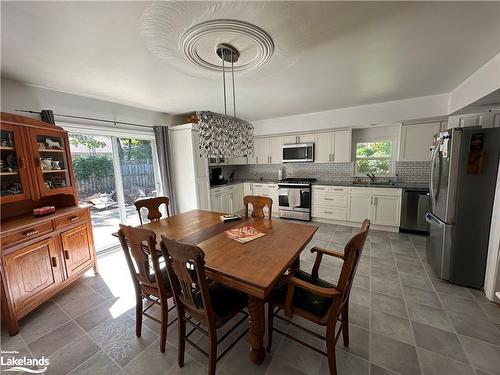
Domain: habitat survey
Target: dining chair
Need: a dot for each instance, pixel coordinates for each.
(200, 302)
(150, 281)
(258, 204)
(153, 207)
(319, 301)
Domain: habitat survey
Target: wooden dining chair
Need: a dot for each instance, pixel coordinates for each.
(200, 302)
(258, 204)
(153, 206)
(150, 281)
(319, 301)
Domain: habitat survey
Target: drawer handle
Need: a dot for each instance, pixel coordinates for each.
(30, 233)
(73, 218)
(328, 199)
(66, 254)
(54, 261)
(328, 212)
(338, 189)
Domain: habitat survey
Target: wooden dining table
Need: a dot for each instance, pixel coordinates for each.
(253, 268)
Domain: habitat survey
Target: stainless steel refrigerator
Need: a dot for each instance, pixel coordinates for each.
(464, 168)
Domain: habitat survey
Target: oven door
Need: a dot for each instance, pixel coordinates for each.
(294, 198)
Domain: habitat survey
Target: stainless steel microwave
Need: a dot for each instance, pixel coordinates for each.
(298, 153)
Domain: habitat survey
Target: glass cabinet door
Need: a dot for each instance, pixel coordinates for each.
(14, 183)
(52, 158)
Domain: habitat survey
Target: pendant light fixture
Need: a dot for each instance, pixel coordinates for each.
(224, 136)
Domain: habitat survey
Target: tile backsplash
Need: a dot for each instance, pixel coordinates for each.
(408, 171)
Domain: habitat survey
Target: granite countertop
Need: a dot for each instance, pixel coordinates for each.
(398, 185)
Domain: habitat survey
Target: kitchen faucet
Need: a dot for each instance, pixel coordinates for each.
(371, 177)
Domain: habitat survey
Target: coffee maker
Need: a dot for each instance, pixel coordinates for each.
(217, 178)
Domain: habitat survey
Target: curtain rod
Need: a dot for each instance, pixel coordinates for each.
(90, 118)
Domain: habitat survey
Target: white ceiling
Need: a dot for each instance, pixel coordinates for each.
(327, 54)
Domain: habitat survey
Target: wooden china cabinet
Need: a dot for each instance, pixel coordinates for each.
(39, 255)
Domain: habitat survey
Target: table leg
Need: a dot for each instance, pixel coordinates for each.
(257, 326)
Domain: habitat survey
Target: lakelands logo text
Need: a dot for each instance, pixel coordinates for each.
(9, 362)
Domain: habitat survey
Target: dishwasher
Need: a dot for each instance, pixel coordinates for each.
(415, 206)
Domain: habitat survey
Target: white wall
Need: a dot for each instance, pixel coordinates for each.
(16, 95)
(361, 116)
(482, 82)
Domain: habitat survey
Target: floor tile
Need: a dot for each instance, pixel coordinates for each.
(388, 304)
(125, 346)
(385, 273)
(475, 327)
(153, 362)
(377, 370)
(407, 258)
(281, 367)
(429, 315)
(482, 355)
(462, 305)
(379, 262)
(359, 315)
(95, 316)
(435, 364)
(439, 341)
(98, 364)
(392, 326)
(415, 280)
(108, 330)
(55, 339)
(76, 308)
(347, 364)
(426, 297)
(72, 294)
(34, 327)
(237, 361)
(451, 289)
(361, 281)
(9, 343)
(72, 355)
(358, 342)
(491, 310)
(414, 268)
(360, 296)
(388, 287)
(393, 355)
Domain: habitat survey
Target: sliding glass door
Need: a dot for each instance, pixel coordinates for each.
(111, 174)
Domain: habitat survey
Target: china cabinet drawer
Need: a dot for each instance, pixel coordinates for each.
(66, 220)
(27, 233)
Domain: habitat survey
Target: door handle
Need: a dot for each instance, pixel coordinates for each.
(431, 219)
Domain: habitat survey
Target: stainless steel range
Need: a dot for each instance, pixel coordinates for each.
(294, 196)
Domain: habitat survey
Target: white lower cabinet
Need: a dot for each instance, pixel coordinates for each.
(270, 191)
(355, 204)
(216, 202)
(386, 210)
(227, 199)
(360, 206)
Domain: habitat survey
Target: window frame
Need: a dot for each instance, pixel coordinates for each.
(391, 158)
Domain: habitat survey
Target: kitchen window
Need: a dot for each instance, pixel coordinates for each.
(374, 157)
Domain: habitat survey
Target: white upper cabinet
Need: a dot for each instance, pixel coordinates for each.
(261, 150)
(323, 148)
(276, 150)
(268, 150)
(333, 147)
(416, 140)
(301, 138)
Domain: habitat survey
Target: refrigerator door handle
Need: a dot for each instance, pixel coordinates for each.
(435, 151)
(432, 219)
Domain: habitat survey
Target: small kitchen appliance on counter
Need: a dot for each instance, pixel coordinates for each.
(294, 196)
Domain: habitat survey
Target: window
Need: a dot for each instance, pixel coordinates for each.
(374, 157)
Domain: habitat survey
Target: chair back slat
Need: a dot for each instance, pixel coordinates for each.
(153, 206)
(352, 254)
(139, 247)
(258, 204)
(186, 271)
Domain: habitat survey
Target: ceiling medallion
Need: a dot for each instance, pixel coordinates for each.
(243, 35)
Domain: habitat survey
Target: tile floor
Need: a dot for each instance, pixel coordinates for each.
(403, 321)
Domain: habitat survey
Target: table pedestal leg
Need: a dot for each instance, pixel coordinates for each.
(256, 322)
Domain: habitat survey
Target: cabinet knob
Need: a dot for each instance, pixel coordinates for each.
(66, 254)
(54, 261)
